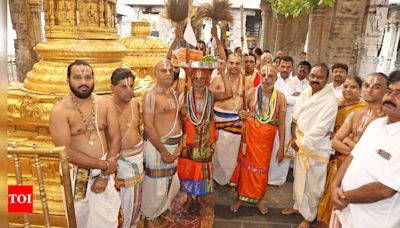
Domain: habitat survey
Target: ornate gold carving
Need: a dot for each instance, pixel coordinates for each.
(143, 49)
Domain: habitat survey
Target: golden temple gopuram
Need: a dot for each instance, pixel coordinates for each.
(74, 29)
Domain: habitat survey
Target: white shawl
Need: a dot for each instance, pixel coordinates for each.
(315, 117)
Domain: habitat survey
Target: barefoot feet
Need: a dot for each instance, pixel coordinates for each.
(289, 211)
(304, 224)
(262, 208)
(235, 206)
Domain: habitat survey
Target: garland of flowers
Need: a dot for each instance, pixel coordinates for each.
(271, 105)
(206, 115)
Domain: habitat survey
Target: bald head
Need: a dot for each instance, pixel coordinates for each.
(266, 58)
(162, 62)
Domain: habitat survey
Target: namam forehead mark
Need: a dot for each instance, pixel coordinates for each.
(267, 70)
(82, 70)
(199, 75)
(128, 82)
(164, 64)
(374, 80)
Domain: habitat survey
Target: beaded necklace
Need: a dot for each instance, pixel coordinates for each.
(206, 114)
(271, 105)
(89, 122)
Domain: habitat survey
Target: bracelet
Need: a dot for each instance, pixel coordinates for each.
(107, 165)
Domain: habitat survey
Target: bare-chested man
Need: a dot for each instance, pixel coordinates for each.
(350, 132)
(130, 172)
(87, 126)
(264, 113)
(227, 120)
(250, 70)
(162, 145)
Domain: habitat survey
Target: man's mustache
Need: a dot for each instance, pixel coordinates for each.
(316, 83)
(388, 102)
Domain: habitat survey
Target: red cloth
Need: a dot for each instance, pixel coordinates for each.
(257, 79)
(251, 173)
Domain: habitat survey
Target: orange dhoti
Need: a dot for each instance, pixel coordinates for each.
(251, 173)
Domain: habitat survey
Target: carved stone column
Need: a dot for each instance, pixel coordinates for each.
(296, 37)
(395, 48)
(25, 18)
(371, 39)
(386, 55)
(318, 35)
(345, 32)
(266, 38)
(280, 34)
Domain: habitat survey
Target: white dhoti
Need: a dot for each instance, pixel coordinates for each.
(161, 182)
(130, 176)
(278, 172)
(227, 145)
(308, 187)
(97, 209)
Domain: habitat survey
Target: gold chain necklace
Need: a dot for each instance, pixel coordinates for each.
(128, 123)
(89, 122)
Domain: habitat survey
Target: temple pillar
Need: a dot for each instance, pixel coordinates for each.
(318, 35)
(279, 39)
(297, 36)
(371, 41)
(25, 18)
(388, 54)
(345, 32)
(266, 38)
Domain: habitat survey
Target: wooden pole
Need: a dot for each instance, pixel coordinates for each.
(243, 80)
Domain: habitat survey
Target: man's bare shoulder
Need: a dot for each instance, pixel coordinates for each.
(149, 92)
(248, 81)
(359, 112)
(61, 106)
(135, 102)
(218, 79)
(250, 92)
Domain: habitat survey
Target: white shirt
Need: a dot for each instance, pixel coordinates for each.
(337, 90)
(370, 166)
(280, 82)
(292, 86)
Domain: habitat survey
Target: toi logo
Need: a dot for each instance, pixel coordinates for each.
(20, 198)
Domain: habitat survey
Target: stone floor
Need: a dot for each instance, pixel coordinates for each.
(248, 215)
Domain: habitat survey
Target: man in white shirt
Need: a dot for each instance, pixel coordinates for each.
(278, 171)
(366, 187)
(285, 72)
(339, 73)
